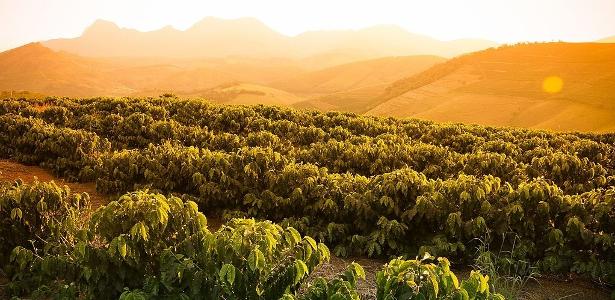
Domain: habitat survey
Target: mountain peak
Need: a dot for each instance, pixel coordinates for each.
(216, 37)
(168, 28)
(101, 26)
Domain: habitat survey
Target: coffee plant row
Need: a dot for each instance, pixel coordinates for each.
(148, 246)
(362, 185)
(340, 142)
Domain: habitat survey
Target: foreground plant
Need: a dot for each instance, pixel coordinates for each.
(509, 273)
(421, 279)
(150, 245)
(342, 287)
(32, 215)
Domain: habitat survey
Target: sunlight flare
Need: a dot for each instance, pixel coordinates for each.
(553, 84)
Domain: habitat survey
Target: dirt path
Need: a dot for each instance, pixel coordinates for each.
(10, 171)
(547, 288)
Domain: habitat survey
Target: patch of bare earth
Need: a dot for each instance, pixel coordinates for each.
(570, 288)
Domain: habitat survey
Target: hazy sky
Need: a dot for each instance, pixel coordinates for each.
(23, 21)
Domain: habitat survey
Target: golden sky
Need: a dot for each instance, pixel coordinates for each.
(23, 21)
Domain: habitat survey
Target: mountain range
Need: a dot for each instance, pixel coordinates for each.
(248, 37)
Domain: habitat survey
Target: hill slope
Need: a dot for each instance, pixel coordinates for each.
(39, 69)
(353, 87)
(358, 100)
(501, 87)
(357, 74)
(36, 68)
(505, 87)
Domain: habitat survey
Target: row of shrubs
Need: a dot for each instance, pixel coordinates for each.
(148, 246)
(402, 212)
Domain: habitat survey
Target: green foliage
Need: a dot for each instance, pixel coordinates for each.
(420, 279)
(361, 184)
(343, 287)
(33, 214)
(127, 238)
(147, 246)
(508, 272)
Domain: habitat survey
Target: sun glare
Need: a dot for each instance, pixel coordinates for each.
(553, 84)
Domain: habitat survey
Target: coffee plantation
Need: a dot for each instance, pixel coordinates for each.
(360, 185)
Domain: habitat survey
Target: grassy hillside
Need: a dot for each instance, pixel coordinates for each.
(505, 87)
(354, 87)
(37, 68)
(358, 74)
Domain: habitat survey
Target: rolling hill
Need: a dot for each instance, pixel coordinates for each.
(357, 74)
(355, 86)
(504, 87)
(36, 68)
(248, 37)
